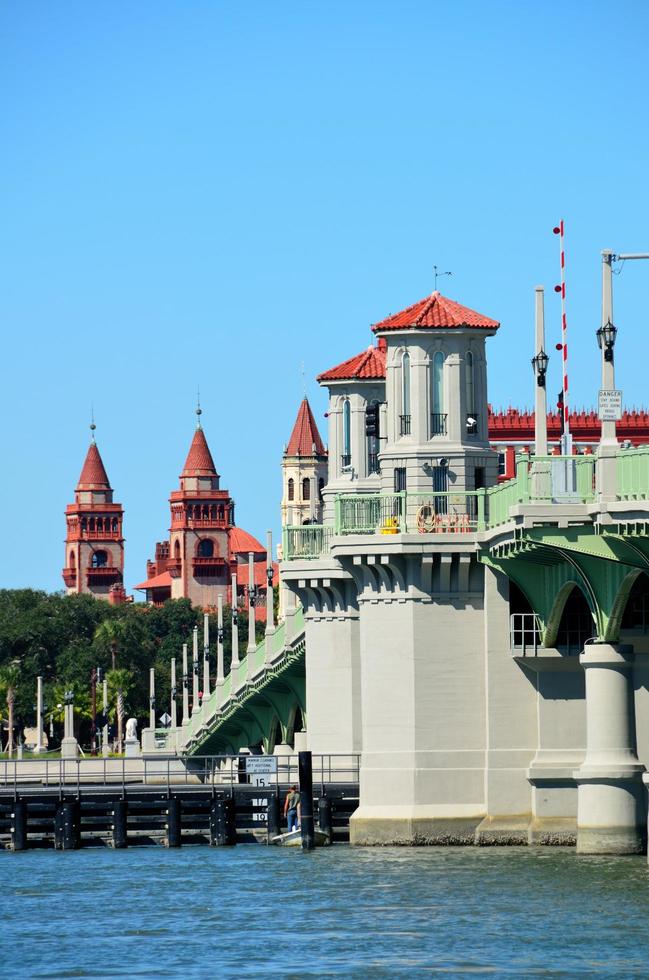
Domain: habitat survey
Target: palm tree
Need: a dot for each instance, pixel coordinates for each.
(8, 683)
(109, 633)
(119, 685)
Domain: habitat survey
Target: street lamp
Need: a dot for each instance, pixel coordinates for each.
(606, 339)
(540, 363)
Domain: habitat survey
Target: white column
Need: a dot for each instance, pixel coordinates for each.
(195, 669)
(220, 672)
(152, 697)
(608, 445)
(235, 626)
(39, 714)
(104, 731)
(251, 607)
(174, 711)
(185, 687)
(610, 798)
(206, 656)
(270, 615)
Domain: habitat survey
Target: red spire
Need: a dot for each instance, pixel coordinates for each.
(436, 311)
(305, 439)
(93, 475)
(199, 460)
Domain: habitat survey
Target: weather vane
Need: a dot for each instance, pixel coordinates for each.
(199, 410)
(438, 275)
(92, 422)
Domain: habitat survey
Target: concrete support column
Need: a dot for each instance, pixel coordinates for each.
(174, 711)
(610, 798)
(185, 687)
(152, 697)
(195, 669)
(220, 673)
(270, 615)
(235, 626)
(206, 656)
(39, 714)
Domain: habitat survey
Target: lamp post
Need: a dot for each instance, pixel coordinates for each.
(606, 337)
(540, 361)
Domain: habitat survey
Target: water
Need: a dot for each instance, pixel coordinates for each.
(253, 911)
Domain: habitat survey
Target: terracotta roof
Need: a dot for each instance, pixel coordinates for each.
(161, 581)
(436, 311)
(259, 573)
(305, 439)
(369, 364)
(93, 475)
(241, 542)
(199, 460)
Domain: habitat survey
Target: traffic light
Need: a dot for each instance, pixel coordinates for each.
(372, 420)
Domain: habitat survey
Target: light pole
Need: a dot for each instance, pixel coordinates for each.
(606, 336)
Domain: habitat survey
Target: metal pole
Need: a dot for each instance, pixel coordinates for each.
(152, 697)
(93, 691)
(251, 609)
(540, 407)
(104, 733)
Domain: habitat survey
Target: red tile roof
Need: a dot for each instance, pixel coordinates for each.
(370, 364)
(305, 439)
(93, 475)
(161, 581)
(199, 460)
(436, 311)
(241, 542)
(259, 573)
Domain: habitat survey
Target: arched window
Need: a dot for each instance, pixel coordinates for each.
(177, 549)
(84, 523)
(73, 560)
(438, 383)
(468, 383)
(206, 548)
(347, 433)
(291, 489)
(306, 488)
(206, 512)
(213, 512)
(115, 525)
(405, 384)
(99, 559)
(221, 512)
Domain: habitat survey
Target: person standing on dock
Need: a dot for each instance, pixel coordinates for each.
(291, 808)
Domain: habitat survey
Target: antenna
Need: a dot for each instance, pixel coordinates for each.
(438, 275)
(563, 346)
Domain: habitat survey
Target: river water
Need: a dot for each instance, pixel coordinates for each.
(255, 911)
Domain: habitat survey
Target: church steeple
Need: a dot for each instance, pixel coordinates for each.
(94, 546)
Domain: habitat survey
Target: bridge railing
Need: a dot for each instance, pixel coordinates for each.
(437, 512)
(633, 473)
(306, 541)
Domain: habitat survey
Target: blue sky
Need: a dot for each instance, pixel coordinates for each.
(204, 193)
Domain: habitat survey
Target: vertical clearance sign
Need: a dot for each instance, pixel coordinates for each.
(260, 770)
(609, 405)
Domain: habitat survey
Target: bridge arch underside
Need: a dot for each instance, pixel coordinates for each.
(266, 717)
(566, 574)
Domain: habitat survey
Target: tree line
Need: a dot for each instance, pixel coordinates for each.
(62, 638)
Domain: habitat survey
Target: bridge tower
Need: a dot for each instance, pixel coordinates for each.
(94, 545)
(304, 471)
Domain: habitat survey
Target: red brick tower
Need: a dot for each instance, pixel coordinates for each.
(94, 546)
(201, 517)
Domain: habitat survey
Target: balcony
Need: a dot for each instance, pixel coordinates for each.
(70, 577)
(306, 542)
(104, 573)
(209, 566)
(438, 423)
(175, 568)
(404, 425)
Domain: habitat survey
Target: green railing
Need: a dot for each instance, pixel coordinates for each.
(306, 541)
(402, 513)
(633, 474)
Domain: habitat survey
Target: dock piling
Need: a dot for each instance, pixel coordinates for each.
(306, 800)
(174, 823)
(223, 830)
(19, 826)
(324, 817)
(272, 816)
(120, 818)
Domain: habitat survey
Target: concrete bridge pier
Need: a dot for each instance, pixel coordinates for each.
(610, 795)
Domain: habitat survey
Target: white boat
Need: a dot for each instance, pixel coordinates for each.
(294, 839)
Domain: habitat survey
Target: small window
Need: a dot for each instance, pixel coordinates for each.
(177, 549)
(306, 488)
(206, 548)
(405, 384)
(73, 560)
(502, 467)
(99, 559)
(347, 431)
(438, 383)
(400, 479)
(291, 489)
(469, 384)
